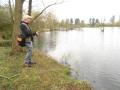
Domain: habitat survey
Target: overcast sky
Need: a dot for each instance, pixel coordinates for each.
(85, 9)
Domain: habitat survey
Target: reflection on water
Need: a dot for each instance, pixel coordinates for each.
(93, 55)
(46, 41)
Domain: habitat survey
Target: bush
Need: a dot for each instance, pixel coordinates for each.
(5, 23)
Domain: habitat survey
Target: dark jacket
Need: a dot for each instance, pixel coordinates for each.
(26, 31)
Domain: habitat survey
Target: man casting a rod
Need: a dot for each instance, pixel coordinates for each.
(28, 35)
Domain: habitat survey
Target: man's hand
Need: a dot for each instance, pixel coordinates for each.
(37, 33)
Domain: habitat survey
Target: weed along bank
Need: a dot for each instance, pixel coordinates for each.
(47, 74)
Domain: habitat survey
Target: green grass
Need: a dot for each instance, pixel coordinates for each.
(5, 43)
(47, 74)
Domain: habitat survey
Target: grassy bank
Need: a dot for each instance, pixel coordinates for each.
(5, 43)
(47, 74)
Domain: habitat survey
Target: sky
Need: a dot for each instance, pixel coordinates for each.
(85, 9)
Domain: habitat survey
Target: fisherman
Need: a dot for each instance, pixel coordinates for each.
(28, 35)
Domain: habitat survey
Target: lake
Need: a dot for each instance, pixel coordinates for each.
(91, 54)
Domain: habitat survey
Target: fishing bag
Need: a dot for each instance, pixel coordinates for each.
(21, 40)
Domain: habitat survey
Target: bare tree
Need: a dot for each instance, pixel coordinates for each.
(30, 7)
(17, 18)
(11, 13)
(46, 7)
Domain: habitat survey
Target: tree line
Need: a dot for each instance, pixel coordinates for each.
(92, 22)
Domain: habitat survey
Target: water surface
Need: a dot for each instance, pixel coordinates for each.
(93, 55)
